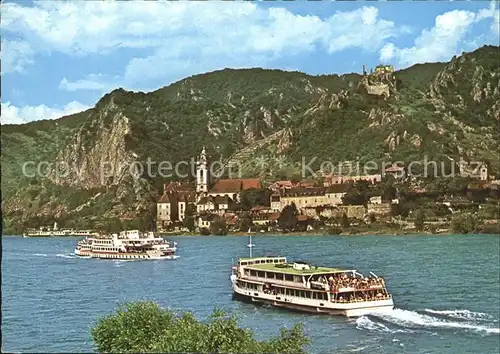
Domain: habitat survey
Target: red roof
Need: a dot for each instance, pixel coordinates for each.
(235, 185)
(306, 184)
(164, 198)
(394, 168)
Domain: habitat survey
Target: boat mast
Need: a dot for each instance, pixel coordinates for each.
(250, 246)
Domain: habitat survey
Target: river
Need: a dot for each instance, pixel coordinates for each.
(445, 289)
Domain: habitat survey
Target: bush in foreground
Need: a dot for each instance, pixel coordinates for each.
(143, 327)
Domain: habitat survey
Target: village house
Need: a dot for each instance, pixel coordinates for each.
(204, 221)
(336, 192)
(341, 179)
(171, 207)
(275, 202)
(301, 197)
(218, 205)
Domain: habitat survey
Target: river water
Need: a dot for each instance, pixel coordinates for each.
(445, 289)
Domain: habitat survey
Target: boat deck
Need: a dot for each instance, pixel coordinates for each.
(278, 268)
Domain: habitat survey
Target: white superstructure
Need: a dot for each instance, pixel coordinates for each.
(55, 231)
(130, 244)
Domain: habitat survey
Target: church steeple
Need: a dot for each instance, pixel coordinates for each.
(202, 173)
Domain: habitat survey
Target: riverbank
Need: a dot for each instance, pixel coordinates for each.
(316, 233)
(351, 231)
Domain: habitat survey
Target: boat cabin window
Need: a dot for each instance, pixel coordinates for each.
(288, 277)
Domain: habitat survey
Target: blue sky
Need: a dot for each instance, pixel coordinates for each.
(60, 57)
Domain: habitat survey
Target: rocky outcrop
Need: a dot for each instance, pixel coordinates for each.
(331, 101)
(96, 155)
(381, 117)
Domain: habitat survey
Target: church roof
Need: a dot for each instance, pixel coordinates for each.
(235, 185)
(164, 198)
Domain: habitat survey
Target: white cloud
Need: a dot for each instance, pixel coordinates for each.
(93, 82)
(16, 55)
(187, 37)
(387, 52)
(360, 28)
(492, 12)
(18, 115)
(443, 40)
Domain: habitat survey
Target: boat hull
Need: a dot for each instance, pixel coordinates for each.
(32, 236)
(355, 309)
(122, 256)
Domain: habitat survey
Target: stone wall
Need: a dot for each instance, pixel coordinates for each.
(382, 210)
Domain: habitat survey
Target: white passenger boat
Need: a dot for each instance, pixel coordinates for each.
(55, 231)
(129, 245)
(303, 287)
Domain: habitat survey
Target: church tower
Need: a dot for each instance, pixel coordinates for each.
(202, 173)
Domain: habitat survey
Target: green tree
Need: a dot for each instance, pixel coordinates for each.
(143, 327)
(464, 223)
(389, 193)
(114, 225)
(245, 222)
(357, 194)
(189, 217)
(288, 217)
(344, 221)
(419, 220)
(218, 226)
(254, 196)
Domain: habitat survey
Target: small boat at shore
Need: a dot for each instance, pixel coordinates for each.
(304, 287)
(129, 245)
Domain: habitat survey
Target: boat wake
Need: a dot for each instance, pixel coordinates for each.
(405, 321)
(64, 255)
(40, 254)
(463, 315)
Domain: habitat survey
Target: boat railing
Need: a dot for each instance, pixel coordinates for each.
(321, 285)
(275, 281)
(351, 289)
(374, 298)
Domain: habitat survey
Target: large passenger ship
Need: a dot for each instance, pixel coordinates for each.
(130, 245)
(301, 286)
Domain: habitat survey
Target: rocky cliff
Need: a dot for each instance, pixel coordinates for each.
(266, 121)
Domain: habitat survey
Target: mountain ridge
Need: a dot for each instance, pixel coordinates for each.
(440, 110)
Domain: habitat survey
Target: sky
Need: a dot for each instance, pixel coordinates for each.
(60, 57)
